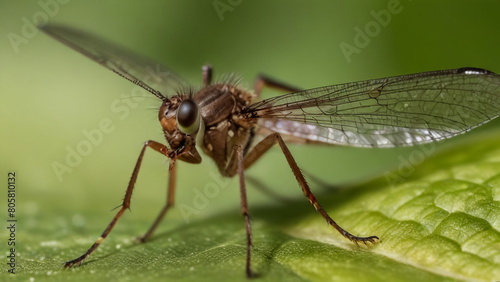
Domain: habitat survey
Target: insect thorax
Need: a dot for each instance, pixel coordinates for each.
(220, 107)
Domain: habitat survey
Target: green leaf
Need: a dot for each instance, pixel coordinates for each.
(444, 219)
(441, 223)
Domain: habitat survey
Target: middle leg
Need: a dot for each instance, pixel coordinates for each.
(244, 208)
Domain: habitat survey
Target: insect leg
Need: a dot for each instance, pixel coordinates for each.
(126, 201)
(172, 175)
(244, 208)
(267, 143)
(206, 75)
(263, 80)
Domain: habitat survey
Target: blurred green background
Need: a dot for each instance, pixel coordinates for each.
(51, 93)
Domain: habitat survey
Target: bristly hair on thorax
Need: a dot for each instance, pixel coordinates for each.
(228, 78)
(188, 91)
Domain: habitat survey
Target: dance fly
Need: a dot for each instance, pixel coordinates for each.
(235, 128)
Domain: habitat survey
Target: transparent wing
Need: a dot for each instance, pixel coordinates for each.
(388, 112)
(142, 71)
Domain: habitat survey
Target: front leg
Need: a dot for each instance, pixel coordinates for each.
(172, 177)
(160, 148)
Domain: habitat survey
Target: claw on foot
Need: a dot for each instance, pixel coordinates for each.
(71, 263)
(356, 240)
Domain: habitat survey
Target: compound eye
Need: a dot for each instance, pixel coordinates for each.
(188, 116)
